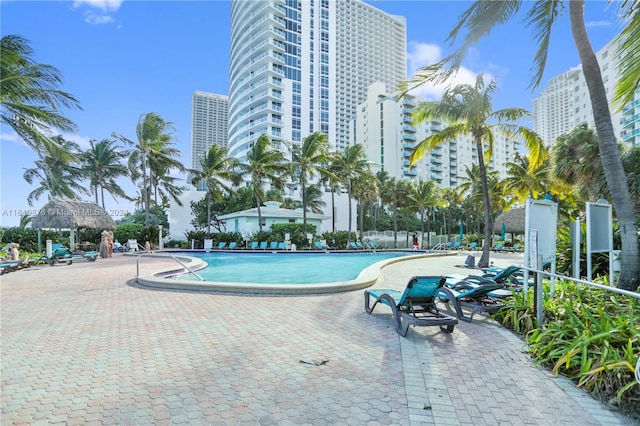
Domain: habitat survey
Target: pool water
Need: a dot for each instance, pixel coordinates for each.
(287, 268)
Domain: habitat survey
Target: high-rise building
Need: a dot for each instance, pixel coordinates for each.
(565, 102)
(383, 124)
(298, 67)
(209, 124)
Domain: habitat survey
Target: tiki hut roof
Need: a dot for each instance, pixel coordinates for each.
(72, 214)
(513, 221)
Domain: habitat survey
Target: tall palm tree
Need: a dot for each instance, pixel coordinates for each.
(30, 98)
(392, 193)
(423, 195)
(310, 160)
(313, 199)
(469, 110)
(482, 16)
(265, 164)
(348, 165)
(56, 171)
(334, 183)
(153, 134)
(103, 164)
(365, 188)
(217, 172)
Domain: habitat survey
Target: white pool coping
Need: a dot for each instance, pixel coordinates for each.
(366, 278)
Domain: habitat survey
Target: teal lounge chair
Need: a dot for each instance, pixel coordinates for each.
(456, 245)
(263, 245)
(473, 245)
(221, 245)
(254, 245)
(273, 245)
(498, 247)
(416, 305)
(60, 254)
(282, 245)
(471, 296)
(232, 245)
(10, 266)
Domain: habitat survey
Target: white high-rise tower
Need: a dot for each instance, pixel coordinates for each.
(298, 67)
(209, 124)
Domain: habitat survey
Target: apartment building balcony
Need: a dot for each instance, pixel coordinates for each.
(436, 152)
(435, 160)
(408, 128)
(453, 156)
(436, 169)
(409, 136)
(408, 145)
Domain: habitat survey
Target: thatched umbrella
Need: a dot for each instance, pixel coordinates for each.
(513, 221)
(72, 214)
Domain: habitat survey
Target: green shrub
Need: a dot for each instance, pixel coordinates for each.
(128, 231)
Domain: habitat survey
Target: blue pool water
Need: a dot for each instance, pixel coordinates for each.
(287, 268)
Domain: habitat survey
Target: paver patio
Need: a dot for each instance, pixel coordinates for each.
(84, 344)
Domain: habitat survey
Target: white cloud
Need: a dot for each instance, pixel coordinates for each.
(103, 5)
(82, 141)
(12, 137)
(93, 19)
(594, 24)
(424, 54)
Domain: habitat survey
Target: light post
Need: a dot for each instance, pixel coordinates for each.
(160, 241)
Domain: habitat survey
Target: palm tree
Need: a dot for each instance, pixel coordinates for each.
(468, 110)
(365, 188)
(102, 163)
(522, 182)
(423, 195)
(313, 199)
(153, 134)
(482, 16)
(576, 160)
(30, 98)
(56, 171)
(349, 164)
(309, 160)
(265, 164)
(217, 172)
(392, 192)
(334, 183)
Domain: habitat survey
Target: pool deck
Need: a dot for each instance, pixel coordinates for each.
(85, 344)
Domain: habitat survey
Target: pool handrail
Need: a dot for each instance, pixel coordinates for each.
(170, 255)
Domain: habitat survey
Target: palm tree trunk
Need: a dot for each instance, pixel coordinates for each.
(610, 155)
(422, 228)
(95, 188)
(395, 226)
(259, 214)
(488, 225)
(333, 209)
(349, 226)
(208, 212)
(304, 206)
(145, 189)
(102, 194)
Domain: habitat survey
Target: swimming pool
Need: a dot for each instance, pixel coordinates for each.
(367, 269)
(287, 268)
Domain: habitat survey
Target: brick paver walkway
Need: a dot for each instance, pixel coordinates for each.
(83, 344)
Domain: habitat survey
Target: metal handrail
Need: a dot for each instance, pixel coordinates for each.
(170, 255)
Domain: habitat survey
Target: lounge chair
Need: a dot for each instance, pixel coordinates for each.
(473, 246)
(221, 245)
(472, 296)
(133, 245)
(359, 245)
(254, 245)
(456, 245)
(353, 245)
(498, 247)
(416, 305)
(232, 245)
(263, 245)
(60, 254)
(282, 245)
(511, 275)
(273, 245)
(9, 266)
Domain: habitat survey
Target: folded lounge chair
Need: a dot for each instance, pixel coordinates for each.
(221, 245)
(476, 297)
(416, 305)
(232, 245)
(263, 245)
(273, 245)
(282, 245)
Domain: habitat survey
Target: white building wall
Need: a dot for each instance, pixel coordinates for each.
(209, 123)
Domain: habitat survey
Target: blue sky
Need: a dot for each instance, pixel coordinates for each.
(124, 58)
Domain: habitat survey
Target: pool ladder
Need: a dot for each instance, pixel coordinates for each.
(169, 255)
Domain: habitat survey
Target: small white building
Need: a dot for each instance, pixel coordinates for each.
(246, 221)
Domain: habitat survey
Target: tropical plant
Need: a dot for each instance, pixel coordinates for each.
(265, 164)
(102, 163)
(334, 183)
(423, 195)
(30, 98)
(56, 171)
(522, 181)
(468, 110)
(392, 192)
(217, 173)
(482, 16)
(313, 199)
(365, 188)
(347, 165)
(310, 160)
(151, 154)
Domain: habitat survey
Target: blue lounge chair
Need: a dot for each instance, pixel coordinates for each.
(416, 305)
(498, 247)
(263, 245)
(60, 254)
(232, 245)
(359, 245)
(273, 245)
(353, 245)
(221, 245)
(473, 245)
(282, 245)
(472, 296)
(456, 245)
(318, 245)
(10, 266)
(254, 245)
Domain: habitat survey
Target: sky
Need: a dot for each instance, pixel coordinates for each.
(123, 58)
